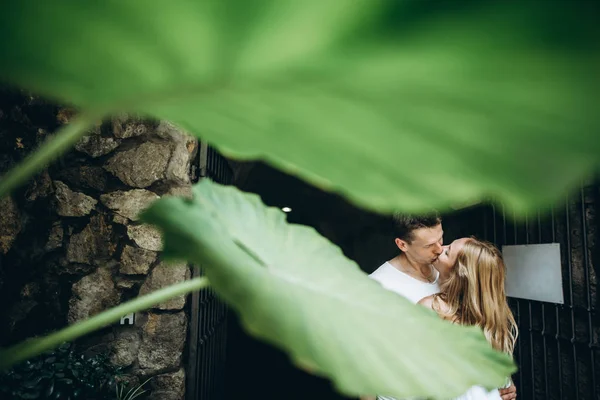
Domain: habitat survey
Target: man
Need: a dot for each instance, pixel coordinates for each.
(412, 273)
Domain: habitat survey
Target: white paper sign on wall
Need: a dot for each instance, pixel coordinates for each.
(533, 272)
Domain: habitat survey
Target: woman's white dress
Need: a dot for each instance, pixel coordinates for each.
(474, 393)
(479, 393)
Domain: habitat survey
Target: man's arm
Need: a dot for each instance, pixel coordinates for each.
(509, 393)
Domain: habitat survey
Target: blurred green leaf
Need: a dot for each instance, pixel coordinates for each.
(395, 104)
(296, 290)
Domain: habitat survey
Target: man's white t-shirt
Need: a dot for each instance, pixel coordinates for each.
(405, 285)
(414, 290)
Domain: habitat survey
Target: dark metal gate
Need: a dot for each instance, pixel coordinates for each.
(208, 319)
(558, 350)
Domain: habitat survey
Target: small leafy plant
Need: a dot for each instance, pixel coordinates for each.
(60, 374)
(134, 392)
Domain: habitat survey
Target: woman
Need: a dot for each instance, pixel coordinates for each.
(473, 294)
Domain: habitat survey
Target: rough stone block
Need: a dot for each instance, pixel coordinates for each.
(93, 245)
(163, 338)
(141, 166)
(136, 261)
(145, 236)
(129, 203)
(10, 223)
(92, 294)
(164, 275)
(70, 203)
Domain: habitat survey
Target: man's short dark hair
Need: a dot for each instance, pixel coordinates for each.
(403, 225)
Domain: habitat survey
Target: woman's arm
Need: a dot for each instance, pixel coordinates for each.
(427, 301)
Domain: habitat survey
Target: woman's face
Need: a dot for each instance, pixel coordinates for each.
(447, 259)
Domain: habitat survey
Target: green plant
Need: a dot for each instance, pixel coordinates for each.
(60, 374)
(394, 104)
(135, 391)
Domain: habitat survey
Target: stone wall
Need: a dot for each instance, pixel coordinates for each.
(71, 244)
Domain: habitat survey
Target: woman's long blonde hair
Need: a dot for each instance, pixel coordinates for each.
(474, 294)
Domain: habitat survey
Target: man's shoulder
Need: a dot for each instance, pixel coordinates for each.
(381, 270)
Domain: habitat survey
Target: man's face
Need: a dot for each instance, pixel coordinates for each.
(426, 245)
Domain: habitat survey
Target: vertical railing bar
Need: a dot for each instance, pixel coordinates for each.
(215, 352)
(203, 355)
(218, 358)
(193, 347)
(222, 168)
(531, 355)
(206, 346)
(494, 224)
(210, 379)
(209, 326)
(504, 237)
(222, 356)
(515, 230)
(215, 362)
(586, 264)
(544, 343)
(526, 228)
(198, 377)
(530, 320)
(209, 361)
(209, 369)
(214, 310)
(202, 370)
(193, 374)
(217, 160)
(220, 310)
(571, 305)
(539, 223)
(485, 226)
(205, 316)
(514, 219)
(504, 223)
(211, 156)
(200, 349)
(559, 360)
(224, 350)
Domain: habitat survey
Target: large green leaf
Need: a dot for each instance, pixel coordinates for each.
(296, 290)
(396, 104)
